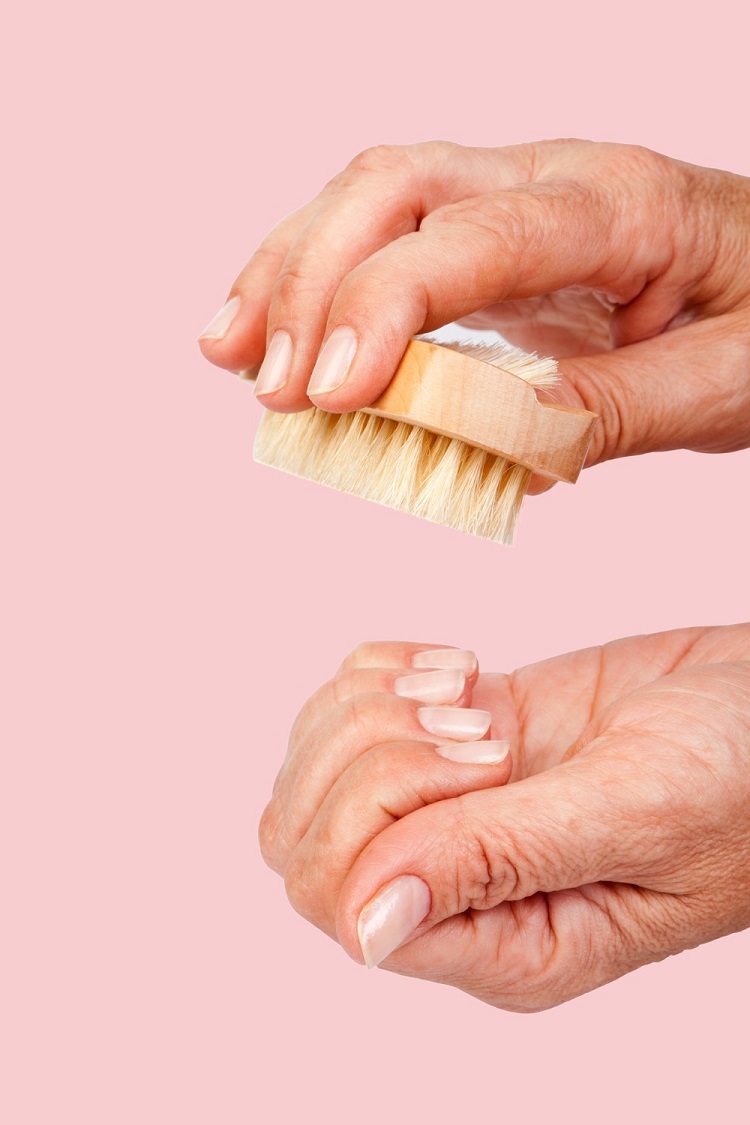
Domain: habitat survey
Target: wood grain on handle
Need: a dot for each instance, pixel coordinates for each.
(462, 397)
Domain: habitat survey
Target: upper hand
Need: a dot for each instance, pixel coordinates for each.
(632, 268)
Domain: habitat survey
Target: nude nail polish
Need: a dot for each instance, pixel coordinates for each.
(441, 686)
(391, 916)
(461, 723)
(461, 658)
(217, 328)
(274, 371)
(487, 753)
(334, 361)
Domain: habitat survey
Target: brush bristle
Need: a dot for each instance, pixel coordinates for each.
(405, 467)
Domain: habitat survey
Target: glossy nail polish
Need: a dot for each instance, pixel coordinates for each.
(461, 723)
(487, 753)
(274, 370)
(219, 326)
(391, 916)
(334, 361)
(461, 658)
(441, 686)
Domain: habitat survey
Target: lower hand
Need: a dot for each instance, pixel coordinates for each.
(622, 836)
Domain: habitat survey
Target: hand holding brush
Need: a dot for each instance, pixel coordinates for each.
(632, 269)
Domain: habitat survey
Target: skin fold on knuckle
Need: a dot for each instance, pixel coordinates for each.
(614, 434)
(480, 859)
(392, 163)
(268, 837)
(300, 285)
(359, 657)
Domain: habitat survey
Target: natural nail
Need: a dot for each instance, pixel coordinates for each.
(391, 916)
(274, 371)
(219, 326)
(479, 753)
(461, 658)
(432, 687)
(455, 722)
(334, 361)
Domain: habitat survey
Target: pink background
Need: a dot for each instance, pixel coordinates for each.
(168, 605)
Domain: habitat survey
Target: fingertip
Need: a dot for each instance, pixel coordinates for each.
(221, 322)
(235, 338)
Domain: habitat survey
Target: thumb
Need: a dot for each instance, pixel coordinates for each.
(591, 819)
(684, 389)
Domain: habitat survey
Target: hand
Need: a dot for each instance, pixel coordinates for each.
(623, 836)
(632, 268)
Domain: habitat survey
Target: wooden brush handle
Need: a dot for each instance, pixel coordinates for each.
(461, 397)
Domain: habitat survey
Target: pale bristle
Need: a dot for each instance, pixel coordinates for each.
(406, 467)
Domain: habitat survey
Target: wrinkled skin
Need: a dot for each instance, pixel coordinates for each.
(616, 833)
(631, 268)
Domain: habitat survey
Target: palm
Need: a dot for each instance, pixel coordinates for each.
(665, 692)
(573, 321)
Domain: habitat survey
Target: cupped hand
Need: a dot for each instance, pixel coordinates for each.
(621, 836)
(631, 268)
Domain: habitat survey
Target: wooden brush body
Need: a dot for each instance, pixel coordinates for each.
(458, 395)
(453, 439)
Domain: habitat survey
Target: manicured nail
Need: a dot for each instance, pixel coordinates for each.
(461, 658)
(432, 687)
(480, 753)
(274, 371)
(334, 361)
(391, 916)
(219, 326)
(455, 722)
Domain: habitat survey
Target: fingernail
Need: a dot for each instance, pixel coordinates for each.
(274, 370)
(219, 326)
(455, 722)
(432, 687)
(482, 753)
(462, 658)
(334, 361)
(391, 916)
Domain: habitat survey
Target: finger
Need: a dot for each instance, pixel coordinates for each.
(382, 195)
(338, 740)
(356, 680)
(686, 388)
(387, 783)
(508, 245)
(592, 819)
(404, 654)
(236, 337)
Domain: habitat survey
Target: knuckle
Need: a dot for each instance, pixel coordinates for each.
(488, 870)
(268, 253)
(610, 435)
(268, 835)
(379, 159)
(300, 884)
(359, 657)
(346, 685)
(295, 284)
